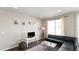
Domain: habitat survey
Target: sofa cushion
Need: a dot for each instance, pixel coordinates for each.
(67, 45)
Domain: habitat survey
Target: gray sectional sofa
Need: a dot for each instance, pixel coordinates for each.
(66, 43)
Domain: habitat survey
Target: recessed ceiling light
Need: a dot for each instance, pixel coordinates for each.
(58, 10)
(16, 7)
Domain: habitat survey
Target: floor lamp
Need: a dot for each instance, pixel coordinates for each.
(43, 34)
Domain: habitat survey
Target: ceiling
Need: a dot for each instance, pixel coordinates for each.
(42, 12)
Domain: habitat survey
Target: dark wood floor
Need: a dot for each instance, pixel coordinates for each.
(32, 44)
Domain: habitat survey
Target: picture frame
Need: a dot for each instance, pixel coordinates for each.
(16, 22)
(23, 23)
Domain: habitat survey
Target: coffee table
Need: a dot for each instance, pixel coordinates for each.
(49, 45)
(44, 46)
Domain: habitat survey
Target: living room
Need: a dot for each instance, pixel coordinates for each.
(39, 28)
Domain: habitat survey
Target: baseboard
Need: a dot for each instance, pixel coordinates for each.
(9, 48)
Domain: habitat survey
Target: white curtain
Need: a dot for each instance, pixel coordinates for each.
(77, 23)
(56, 26)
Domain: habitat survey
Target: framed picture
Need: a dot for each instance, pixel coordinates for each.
(16, 22)
(29, 22)
(23, 23)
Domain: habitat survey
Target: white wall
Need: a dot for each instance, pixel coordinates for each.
(11, 34)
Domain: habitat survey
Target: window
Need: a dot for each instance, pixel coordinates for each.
(55, 27)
